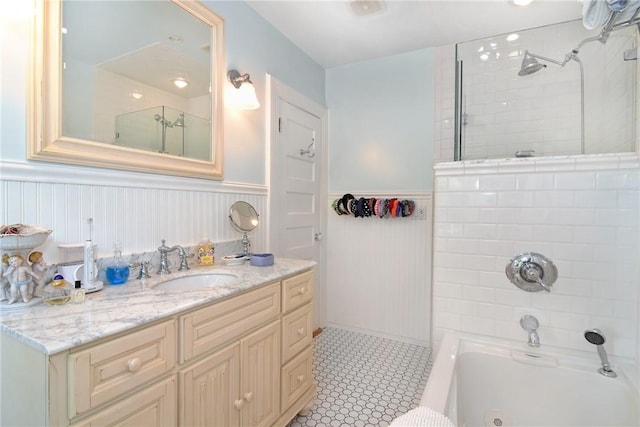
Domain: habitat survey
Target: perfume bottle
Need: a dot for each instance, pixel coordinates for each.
(77, 294)
(118, 272)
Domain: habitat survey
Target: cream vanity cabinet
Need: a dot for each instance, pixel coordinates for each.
(242, 361)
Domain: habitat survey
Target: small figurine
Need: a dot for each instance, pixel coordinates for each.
(39, 267)
(20, 278)
(4, 283)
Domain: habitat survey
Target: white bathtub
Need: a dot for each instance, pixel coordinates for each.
(479, 381)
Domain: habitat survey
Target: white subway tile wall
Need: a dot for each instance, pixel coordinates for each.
(585, 220)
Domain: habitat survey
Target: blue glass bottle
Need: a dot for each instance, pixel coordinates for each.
(118, 273)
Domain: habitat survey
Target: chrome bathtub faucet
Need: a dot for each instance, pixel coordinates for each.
(530, 324)
(164, 264)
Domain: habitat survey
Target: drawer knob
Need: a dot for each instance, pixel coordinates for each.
(301, 331)
(300, 378)
(238, 404)
(134, 364)
(248, 397)
(302, 291)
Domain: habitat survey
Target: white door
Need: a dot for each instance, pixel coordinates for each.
(298, 182)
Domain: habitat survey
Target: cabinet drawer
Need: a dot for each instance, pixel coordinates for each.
(153, 406)
(297, 331)
(106, 371)
(297, 291)
(211, 327)
(297, 377)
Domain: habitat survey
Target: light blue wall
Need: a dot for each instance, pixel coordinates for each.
(381, 117)
(252, 46)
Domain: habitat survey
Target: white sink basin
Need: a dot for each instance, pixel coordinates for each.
(196, 281)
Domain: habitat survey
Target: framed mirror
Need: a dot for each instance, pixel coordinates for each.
(134, 85)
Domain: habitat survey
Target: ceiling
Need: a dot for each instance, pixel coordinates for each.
(332, 34)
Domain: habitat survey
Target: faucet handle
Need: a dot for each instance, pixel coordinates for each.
(184, 265)
(144, 269)
(529, 323)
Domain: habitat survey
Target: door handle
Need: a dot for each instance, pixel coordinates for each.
(317, 237)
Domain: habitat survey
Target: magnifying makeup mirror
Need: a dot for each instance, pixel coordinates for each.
(244, 218)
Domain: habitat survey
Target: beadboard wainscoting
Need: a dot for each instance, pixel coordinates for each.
(379, 272)
(579, 211)
(137, 210)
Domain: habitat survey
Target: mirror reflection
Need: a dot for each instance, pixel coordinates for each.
(137, 74)
(243, 216)
(575, 103)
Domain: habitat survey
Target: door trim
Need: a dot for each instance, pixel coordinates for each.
(276, 91)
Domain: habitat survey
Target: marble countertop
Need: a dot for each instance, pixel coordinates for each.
(114, 309)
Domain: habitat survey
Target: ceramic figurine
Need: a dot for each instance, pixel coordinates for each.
(39, 267)
(4, 283)
(20, 278)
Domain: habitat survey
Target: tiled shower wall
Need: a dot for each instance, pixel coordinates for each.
(580, 211)
(136, 210)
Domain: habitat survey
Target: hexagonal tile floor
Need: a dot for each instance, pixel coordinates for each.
(364, 380)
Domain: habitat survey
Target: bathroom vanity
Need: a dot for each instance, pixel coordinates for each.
(238, 354)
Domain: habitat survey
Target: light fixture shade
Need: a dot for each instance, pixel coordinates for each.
(241, 93)
(246, 97)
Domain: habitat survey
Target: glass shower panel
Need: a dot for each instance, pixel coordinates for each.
(139, 130)
(501, 113)
(165, 130)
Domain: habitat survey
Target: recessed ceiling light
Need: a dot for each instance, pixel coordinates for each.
(513, 37)
(180, 83)
(522, 2)
(484, 57)
(137, 95)
(366, 7)
(481, 48)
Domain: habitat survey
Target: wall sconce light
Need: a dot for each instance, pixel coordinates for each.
(245, 97)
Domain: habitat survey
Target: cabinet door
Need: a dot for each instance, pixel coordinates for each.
(154, 406)
(260, 376)
(210, 391)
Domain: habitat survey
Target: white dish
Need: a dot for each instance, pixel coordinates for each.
(234, 260)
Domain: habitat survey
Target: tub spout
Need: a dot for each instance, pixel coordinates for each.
(530, 324)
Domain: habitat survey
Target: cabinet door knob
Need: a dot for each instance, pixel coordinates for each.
(301, 331)
(248, 396)
(302, 290)
(238, 404)
(300, 378)
(134, 364)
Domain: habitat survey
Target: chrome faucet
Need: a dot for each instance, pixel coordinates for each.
(164, 264)
(530, 324)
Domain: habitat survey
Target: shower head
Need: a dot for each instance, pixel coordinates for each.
(179, 121)
(529, 65)
(594, 336)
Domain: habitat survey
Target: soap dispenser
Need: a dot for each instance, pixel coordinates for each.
(118, 272)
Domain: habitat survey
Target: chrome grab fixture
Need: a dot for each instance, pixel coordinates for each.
(164, 264)
(532, 272)
(596, 337)
(530, 324)
(144, 269)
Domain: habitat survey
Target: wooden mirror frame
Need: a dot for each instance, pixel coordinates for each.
(45, 139)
